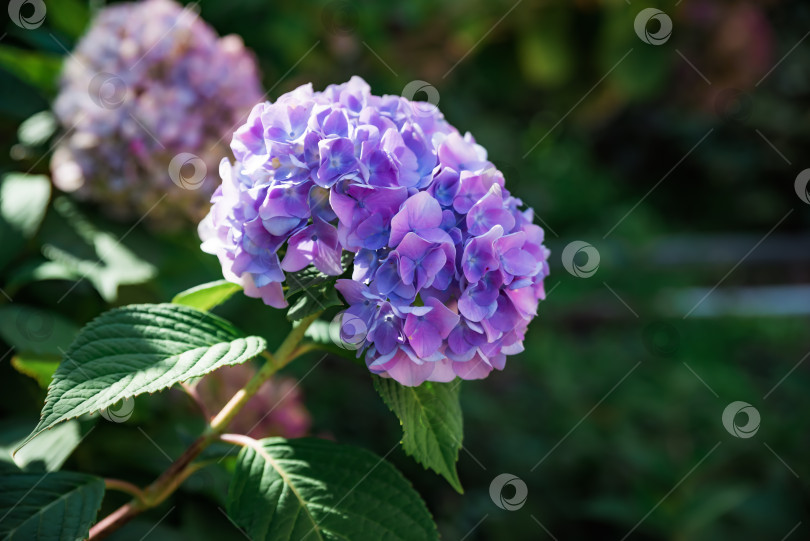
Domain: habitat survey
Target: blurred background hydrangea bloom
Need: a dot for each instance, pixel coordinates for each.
(149, 100)
(276, 410)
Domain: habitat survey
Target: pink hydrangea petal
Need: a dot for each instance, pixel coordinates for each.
(476, 368)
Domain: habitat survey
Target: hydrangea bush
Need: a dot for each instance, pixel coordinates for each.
(376, 197)
(148, 82)
(447, 266)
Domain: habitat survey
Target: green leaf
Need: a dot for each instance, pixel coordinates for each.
(322, 332)
(207, 296)
(315, 290)
(60, 505)
(37, 68)
(313, 300)
(70, 16)
(310, 277)
(304, 279)
(310, 489)
(41, 368)
(326, 336)
(23, 201)
(31, 330)
(46, 452)
(138, 349)
(432, 424)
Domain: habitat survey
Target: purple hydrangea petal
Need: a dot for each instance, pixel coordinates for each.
(479, 255)
(337, 161)
(489, 212)
(420, 260)
(316, 244)
(461, 153)
(404, 371)
(318, 201)
(373, 231)
(445, 186)
(475, 368)
(387, 332)
(419, 212)
(426, 330)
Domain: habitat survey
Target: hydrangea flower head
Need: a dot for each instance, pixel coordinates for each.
(149, 82)
(448, 268)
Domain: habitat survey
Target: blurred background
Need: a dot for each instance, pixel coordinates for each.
(669, 142)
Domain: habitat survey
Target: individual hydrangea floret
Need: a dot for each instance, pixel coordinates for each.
(150, 83)
(448, 268)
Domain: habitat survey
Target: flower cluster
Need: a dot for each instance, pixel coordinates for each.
(448, 270)
(148, 82)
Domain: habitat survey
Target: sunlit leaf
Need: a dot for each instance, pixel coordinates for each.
(207, 296)
(432, 423)
(288, 490)
(140, 349)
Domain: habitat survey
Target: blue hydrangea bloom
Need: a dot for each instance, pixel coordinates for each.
(448, 268)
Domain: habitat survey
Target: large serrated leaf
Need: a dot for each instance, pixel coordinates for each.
(138, 349)
(432, 423)
(207, 296)
(310, 489)
(60, 505)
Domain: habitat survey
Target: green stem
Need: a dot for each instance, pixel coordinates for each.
(182, 468)
(283, 355)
